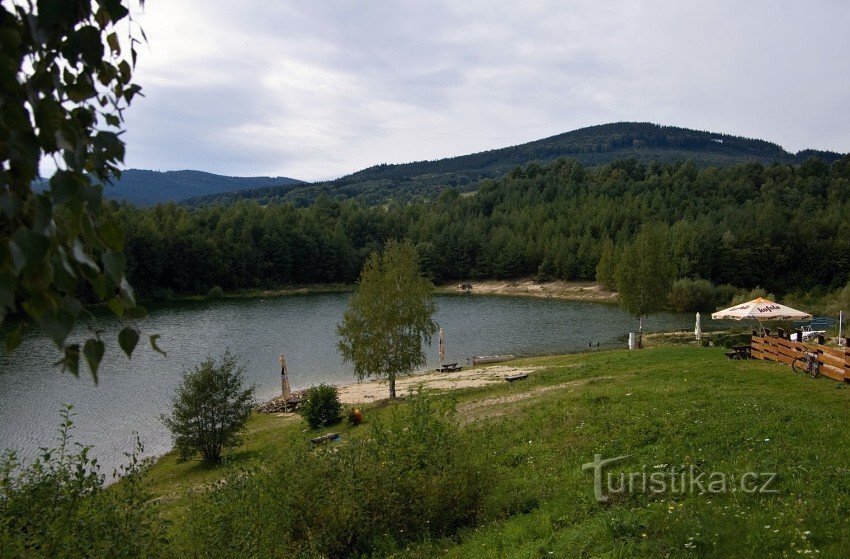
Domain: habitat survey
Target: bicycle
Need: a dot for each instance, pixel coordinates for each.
(808, 363)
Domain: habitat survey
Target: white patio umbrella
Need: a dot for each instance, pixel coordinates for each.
(760, 309)
(442, 346)
(698, 329)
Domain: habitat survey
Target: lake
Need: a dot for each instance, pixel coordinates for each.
(131, 394)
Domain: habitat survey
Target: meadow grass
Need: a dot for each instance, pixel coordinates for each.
(665, 406)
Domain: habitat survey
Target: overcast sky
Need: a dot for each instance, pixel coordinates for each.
(314, 89)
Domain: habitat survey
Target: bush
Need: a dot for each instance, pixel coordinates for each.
(742, 296)
(215, 292)
(58, 507)
(410, 476)
(211, 408)
(841, 300)
(354, 416)
(321, 406)
(730, 339)
(692, 295)
(724, 294)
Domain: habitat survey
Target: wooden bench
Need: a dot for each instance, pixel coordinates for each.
(739, 352)
(325, 438)
(449, 368)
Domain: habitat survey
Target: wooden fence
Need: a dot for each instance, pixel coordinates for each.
(834, 361)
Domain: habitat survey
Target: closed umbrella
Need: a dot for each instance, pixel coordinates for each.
(284, 379)
(698, 329)
(442, 346)
(761, 309)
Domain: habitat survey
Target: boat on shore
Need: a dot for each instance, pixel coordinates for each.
(482, 359)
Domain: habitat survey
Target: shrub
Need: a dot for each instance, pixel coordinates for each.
(742, 296)
(321, 406)
(841, 300)
(730, 339)
(724, 294)
(354, 416)
(411, 476)
(215, 292)
(692, 295)
(57, 506)
(211, 408)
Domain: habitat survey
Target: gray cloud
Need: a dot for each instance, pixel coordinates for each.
(318, 89)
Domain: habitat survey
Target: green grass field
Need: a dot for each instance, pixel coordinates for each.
(671, 406)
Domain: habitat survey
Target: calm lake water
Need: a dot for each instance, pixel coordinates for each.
(131, 394)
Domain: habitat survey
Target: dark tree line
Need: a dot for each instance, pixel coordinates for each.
(781, 227)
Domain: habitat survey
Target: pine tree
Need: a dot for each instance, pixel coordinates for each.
(607, 266)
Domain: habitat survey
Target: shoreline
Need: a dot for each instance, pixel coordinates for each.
(285, 291)
(524, 287)
(588, 291)
(375, 390)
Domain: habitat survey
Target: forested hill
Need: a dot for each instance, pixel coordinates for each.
(782, 227)
(146, 188)
(645, 142)
(143, 187)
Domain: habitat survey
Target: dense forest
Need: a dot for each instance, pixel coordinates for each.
(781, 227)
(595, 145)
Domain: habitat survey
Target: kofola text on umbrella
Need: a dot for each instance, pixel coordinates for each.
(768, 308)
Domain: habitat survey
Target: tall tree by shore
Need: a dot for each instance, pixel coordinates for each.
(644, 275)
(389, 317)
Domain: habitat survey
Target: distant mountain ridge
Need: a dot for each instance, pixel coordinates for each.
(591, 146)
(143, 187)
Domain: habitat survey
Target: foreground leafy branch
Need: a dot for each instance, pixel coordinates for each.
(65, 81)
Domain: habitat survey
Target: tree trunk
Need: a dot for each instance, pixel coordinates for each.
(640, 332)
(392, 386)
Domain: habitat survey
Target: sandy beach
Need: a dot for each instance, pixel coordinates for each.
(569, 290)
(370, 391)
(374, 390)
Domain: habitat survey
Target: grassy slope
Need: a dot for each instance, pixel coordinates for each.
(668, 405)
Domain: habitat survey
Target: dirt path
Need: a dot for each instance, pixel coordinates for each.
(502, 405)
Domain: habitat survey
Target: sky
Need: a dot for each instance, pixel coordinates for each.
(318, 89)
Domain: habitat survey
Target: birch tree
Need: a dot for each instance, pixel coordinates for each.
(389, 317)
